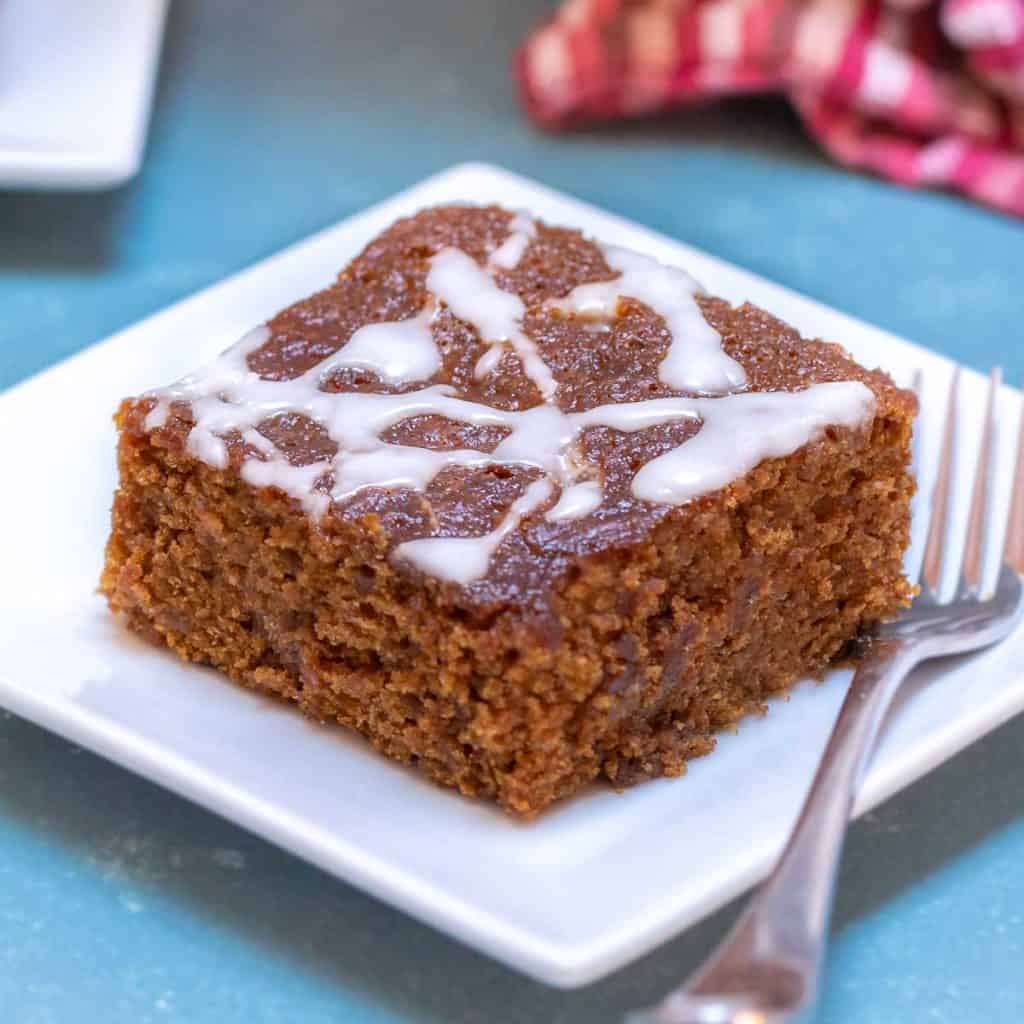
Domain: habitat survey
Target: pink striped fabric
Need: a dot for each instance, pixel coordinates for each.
(925, 92)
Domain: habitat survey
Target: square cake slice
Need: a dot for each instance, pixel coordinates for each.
(523, 509)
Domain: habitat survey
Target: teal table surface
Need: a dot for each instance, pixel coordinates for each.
(122, 903)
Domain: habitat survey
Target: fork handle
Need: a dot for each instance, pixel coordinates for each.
(778, 943)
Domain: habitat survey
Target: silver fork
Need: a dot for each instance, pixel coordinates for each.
(766, 970)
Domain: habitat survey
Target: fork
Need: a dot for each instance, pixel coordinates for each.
(766, 970)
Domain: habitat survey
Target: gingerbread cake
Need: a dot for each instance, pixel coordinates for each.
(523, 509)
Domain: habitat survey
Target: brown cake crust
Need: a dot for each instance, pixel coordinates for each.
(614, 645)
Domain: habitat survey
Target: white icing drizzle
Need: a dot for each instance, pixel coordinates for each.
(576, 501)
(695, 360)
(465, 559)
(738, 431)
(203, 388)
(471, 294)
(398, 351)
(523, 230)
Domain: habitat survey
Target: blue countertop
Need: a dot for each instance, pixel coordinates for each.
(122, 903)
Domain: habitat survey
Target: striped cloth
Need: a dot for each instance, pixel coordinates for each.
(925, 92)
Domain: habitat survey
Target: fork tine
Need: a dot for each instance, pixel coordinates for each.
(974, 545)
(1013, 553)
(931, 567)
(917, 386)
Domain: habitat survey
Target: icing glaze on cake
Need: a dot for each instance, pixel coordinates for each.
(738, 429)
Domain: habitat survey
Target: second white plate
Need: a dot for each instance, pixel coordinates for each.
(594, 883)
(76, 80)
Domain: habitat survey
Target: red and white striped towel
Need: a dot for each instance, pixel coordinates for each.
(926, 92)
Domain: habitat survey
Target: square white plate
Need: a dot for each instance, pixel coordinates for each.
(594, 883)
(76, 80)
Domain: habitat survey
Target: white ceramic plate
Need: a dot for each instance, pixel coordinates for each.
(594, 883)
(76, 80)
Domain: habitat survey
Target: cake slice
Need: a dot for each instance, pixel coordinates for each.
(523, 509)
